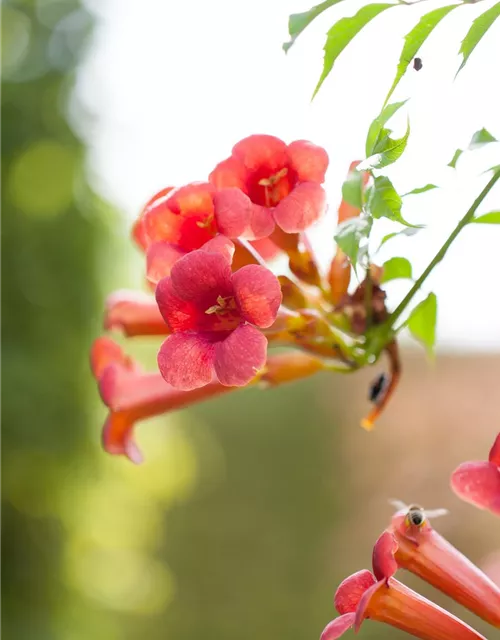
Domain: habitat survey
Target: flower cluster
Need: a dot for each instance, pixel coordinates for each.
(208, 248)
(411, 543)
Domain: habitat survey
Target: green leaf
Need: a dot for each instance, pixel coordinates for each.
(415, 38)
(350, 234)
(352, 189)
(478, 28)
(385, 202)
(297, 22)
(456, 156)
(396, 268)
(493, 217)
(376, 130)
(495, 169)
(422, 322)
(341, 34)
(414, 192)
(409, 231)
(480, 138)
(388, 150)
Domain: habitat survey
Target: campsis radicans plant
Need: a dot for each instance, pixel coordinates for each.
(220, 307)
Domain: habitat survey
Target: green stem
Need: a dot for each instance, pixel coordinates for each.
(442, 252)
(381, 337)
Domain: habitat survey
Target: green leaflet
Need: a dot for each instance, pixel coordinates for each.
(480, 138)
(456, 156)
(422, 323)
(418, 190)
(297, 22)
(352, 189)
(408, 231)
(341, 34)
(388, 149)
(375, 132)
(349, 235)
(385, 202)
(415, 38)
(478, 28)
(493, 217)
(396, 268)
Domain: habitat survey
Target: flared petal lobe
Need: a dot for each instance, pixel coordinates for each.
(479, 484)
(384, 563)
(301, 208)
(201, 277)
(240, 356)
(336, 628)
(186, 360)
(309, 161)
(258, 294)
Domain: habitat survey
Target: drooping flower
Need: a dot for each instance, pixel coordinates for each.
(132, 395)
(283, 183)
(478, 482)
(424, 552)
(213, 315)
(382, 598)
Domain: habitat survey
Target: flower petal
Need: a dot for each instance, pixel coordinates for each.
(494, 455)
(479, 484)
(309, 161)
(261, 223)
(105, 352)
(258, 294)
(240, 356)
(230, 173)
(338, 627)
(117, 437)
(351, 590)
(180, 315)
(194, 199)
(232, 212)
(220, 244)
(260, 151)
(361, 611)
(201, 277)
(186, 360)
(160, 258)
(384, 563)
(303, 206)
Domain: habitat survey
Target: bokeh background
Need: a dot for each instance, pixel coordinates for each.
(248, 510)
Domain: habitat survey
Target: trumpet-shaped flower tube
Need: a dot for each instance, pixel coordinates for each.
(427, 554)
(382, 598)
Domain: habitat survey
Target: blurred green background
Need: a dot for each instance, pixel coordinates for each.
(248, 510)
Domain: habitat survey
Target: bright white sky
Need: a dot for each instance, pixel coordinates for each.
(171, 86)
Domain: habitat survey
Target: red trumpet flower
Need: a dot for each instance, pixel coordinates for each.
(213, 315)
(133, 395)
(283, 183)
(478, 482)
(425, 553)
(382, 598)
